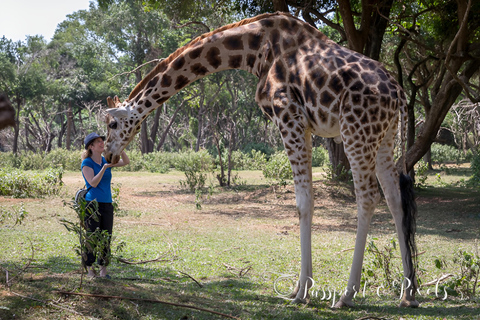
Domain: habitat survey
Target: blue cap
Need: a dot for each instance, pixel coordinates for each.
(89, 139)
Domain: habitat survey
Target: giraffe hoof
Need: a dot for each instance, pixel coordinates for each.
(343, 304)
(298, 300)
(409, 304)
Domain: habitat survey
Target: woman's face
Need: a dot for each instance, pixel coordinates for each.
(97, 145)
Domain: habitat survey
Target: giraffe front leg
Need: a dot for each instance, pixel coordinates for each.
(367, 193)
(300, 159)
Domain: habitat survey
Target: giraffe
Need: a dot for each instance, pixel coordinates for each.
(307, 84)
(7, 113)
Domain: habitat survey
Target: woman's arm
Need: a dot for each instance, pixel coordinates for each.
(90, 176)
(123, 161)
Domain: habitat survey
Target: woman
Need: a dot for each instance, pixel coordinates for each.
(97, 174)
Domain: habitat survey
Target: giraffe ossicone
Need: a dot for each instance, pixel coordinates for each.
(307, 84)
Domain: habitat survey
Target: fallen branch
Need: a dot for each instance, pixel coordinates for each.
(186, 274)
(157, 259)
(146, 300)
(241, 272)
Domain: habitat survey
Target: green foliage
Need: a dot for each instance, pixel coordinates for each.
(379, 265)
(475, 166)
(30, 184)
(159, 162)
(421, 174)
(446, 154)
(195, 165)
(467, 280)
(278, 169)
(17, 214)
(68, 160)
(319, 156)
(96, 241)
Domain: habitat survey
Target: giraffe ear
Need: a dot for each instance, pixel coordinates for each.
(110, 102)
(118, 113)
(116, 100)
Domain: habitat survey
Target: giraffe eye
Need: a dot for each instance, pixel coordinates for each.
(113, 125)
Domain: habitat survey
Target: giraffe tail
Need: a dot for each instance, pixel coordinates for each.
(409, 222)
(409, 206)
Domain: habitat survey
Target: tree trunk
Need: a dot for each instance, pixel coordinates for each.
(68, 141)
(17, 125)
(338, 160)
(443, 101)
(167, 129)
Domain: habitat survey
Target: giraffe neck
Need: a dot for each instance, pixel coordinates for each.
(251, 47)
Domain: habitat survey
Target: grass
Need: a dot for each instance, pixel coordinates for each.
(242, 240)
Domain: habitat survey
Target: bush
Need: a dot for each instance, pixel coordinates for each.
(29, 184)
(195, 165)
(475, 166)
(278, 168)
(158, 161)
(68, 160)
(444, 154)
(319, 156)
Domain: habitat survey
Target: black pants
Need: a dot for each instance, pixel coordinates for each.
(105, 222)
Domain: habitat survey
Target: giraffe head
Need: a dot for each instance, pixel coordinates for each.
(123, 124)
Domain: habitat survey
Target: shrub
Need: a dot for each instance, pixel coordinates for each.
(278, 168)
(319, 156)
(29, 184)
(195, 165)
(68, 160)
(475, 166)
(264, 148)
(444, 154)
(157, 162)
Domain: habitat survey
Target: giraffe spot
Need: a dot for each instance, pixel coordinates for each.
(165, 93)
(318, 78)
(382, 74)
(364, 119)
(326, 98)
(155, 96)
(294, 78)
(367, 130)
(356, 98)
(296, 96)
(336, 84)
(254, 41)
(311, 116)
(268, 23)
(213, 57)
(287, 43)
(340, 62)
(181, 82)
(199, 69)
(234, 42)
(152, 82)
(348, 76)
(357, 86)
(350, 119)
(178, 63)
(275, 34)
(268, 111)
(278, 111)
(140, 102)
(358, 112)
(369, 77)
(251, 60)
(235, 62)
(148, 104)
(195, 53)
(139, 110)
(322, 116)
(286, 117)
(162, 100)
(309, 93)
(280, 71)
(166, 81)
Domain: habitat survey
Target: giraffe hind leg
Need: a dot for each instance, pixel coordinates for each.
(398, 190)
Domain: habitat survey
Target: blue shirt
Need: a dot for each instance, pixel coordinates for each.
(102, 192)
